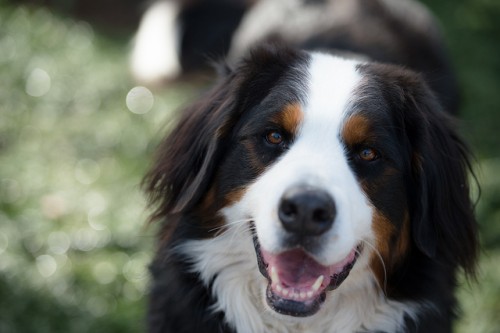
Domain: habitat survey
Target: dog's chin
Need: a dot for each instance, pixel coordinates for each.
(297, 284)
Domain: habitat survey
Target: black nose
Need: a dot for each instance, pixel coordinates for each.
(307, 211)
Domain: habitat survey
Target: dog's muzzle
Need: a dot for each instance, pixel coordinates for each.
(297, 282)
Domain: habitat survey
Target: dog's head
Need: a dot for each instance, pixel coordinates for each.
(331, 166)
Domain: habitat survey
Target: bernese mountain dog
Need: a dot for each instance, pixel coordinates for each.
(309, 191)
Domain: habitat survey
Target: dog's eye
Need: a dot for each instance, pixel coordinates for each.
(368, 154)
(274, 137)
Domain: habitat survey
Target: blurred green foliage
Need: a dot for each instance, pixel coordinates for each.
(75, 140)
(74, 247)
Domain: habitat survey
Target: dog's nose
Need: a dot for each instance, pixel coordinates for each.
(307, 211)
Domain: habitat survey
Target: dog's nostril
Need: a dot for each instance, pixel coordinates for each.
(307, 211)
(288, 208)
(287, 213)
(322, 215)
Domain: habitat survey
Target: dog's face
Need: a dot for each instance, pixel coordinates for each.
(335, 170)
(310, 211)
(330, 183)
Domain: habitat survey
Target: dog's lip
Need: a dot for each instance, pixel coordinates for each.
(297, 283)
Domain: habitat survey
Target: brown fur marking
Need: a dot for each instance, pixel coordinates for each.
(290, 117)
(391, 244)
(356, 129)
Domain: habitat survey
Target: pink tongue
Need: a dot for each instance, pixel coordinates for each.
(295, 268)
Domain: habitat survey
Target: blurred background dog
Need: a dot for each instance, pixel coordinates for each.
(181, 37)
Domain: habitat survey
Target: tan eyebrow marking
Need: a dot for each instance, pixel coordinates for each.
(356, 129)
(290, 117)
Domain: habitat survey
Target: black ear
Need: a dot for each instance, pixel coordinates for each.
(444, 226)
(186, 158)
(437, 164)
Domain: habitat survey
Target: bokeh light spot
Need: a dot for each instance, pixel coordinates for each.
(46, 265)
(58, 242)
(135, 270)
(84, 239)
(140, 100)
(104, 272)
(33, 241)
(97, 306)
(95, 219)
(38, 83)
(82, 35)
(95, 201)
(87, 171)
(131, 292)
(53, 206)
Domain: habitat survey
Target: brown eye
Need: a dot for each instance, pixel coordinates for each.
(368, 154)
(274, 137)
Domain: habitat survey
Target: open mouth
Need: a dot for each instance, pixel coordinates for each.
(298, 283)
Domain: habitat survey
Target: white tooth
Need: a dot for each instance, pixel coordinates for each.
(285, 292)
(278, 288)
(317, 284)
(309, 294)
(303, 294)
(274, 275)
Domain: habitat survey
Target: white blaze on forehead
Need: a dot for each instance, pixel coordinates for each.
(331, 84)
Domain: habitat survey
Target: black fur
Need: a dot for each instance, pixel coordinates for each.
(178, 300)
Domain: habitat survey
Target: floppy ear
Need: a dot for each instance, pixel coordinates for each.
(186, 158)
(444, 226)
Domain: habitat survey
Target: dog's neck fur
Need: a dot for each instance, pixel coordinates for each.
(228, 266)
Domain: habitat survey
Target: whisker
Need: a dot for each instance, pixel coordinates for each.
(236, 228)
(384, 289)
(240, 228)
(225, 225)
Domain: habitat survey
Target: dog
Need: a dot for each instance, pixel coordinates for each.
(313, 191)
(181, 37)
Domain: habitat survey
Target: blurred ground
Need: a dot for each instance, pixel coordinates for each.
(76, 136)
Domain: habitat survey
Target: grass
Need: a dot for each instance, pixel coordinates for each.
(75, 140)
